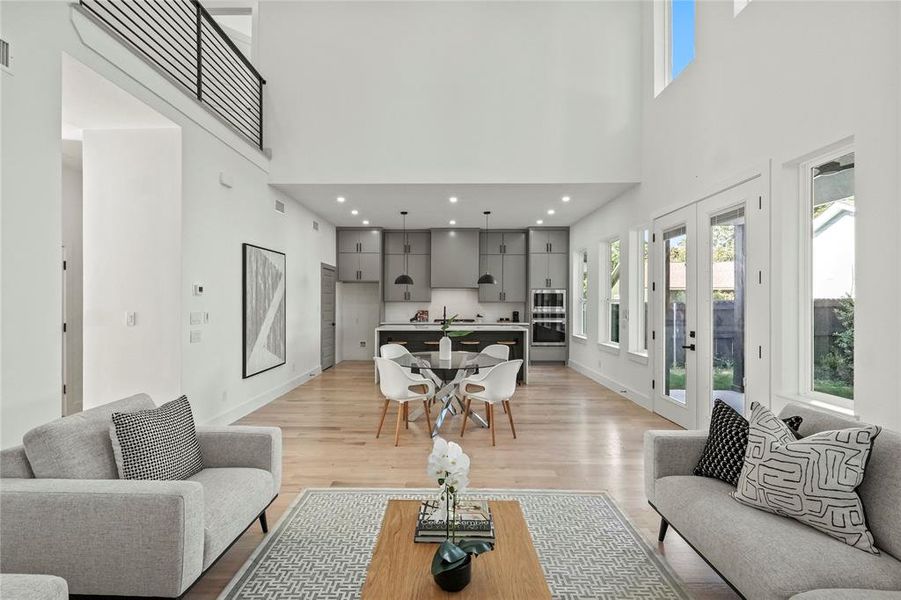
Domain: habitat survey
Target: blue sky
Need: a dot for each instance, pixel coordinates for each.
(683, 28)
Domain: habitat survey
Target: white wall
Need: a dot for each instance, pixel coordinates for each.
(780, 80)
(458, 302)
(132, 263)
(380, 92)
(72, 240)
(215, 221)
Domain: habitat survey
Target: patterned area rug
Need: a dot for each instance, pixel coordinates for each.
(322, 546)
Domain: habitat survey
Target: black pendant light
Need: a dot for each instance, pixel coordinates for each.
(487, 278)
(404, 279)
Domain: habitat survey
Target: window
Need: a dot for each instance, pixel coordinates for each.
(674, 31)
(610, 335)
(828, 304)
(580, 293)
(638, 291)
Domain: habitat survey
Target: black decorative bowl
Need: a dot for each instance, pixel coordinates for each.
(456, 579)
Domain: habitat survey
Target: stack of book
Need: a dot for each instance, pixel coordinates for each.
(473, 522)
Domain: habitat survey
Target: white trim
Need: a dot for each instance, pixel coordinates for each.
(580, 338)
(825, 406)
(609, 347)
(638, 237)
(639, 357)
(242, 410)
(626, 392)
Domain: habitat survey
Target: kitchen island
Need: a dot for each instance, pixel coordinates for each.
(424, 337)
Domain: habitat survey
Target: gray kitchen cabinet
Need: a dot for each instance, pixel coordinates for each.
(548, 241)
(417, 242)
(418, 268)
(494, 264)
(455, 258)
(538, 269)
(359, 255)
(502, 242)
(558, 270)
(514, 283)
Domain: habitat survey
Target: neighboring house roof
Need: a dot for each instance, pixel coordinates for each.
(833, 214)
(723, 276)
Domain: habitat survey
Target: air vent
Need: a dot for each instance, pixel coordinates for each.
(279, 206)
(315, 225)
(4, 53)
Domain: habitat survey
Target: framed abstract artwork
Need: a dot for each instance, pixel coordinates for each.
(264, 323)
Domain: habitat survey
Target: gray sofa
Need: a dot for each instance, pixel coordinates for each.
(765, 556)
(64, 512)
(16, 586)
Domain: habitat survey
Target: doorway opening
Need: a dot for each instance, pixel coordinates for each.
(121, 212)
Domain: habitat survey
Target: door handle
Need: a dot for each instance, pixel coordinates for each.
(689, 347)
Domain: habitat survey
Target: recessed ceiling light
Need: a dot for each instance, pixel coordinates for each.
(452, 222)
(340, 198)
(565, 198)
(452, 199)
(539, 222)
(355, 212)
(551, 211)
(365, 222)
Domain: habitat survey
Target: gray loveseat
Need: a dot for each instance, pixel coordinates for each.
(64, 512)
(765, 556)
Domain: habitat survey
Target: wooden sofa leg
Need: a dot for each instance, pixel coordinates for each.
(263, 523)
(664, 526)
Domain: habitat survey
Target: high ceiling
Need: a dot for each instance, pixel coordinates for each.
(511, 205)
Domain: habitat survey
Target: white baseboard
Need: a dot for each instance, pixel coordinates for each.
(244, 409)
(635, 396)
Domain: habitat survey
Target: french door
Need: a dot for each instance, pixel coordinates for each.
(711, 304)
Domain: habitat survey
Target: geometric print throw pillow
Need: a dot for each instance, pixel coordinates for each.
(724, 451)
(156, 444)
(813, 480)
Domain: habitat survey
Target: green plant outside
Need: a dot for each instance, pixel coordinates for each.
(722, 378)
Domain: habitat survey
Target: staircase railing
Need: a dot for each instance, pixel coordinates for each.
(182, 40)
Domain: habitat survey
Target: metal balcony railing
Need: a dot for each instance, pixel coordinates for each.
(181, 39)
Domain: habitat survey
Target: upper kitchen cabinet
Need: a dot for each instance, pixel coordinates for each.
(417, 242)
(455, 258)
(502, 242)
(359, 255)
(548, 258)
(548, 241)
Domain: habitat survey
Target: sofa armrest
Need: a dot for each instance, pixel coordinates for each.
(105, 537)
(668, 452)
(241, 446)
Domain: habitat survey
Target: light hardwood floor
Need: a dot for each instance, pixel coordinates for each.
(572, 434)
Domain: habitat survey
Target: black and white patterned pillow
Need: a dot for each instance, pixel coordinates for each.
(158, 444)
(813, 480)
(724, 452)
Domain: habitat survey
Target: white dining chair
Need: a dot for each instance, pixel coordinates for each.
(497, 351)
(492, 387)
(395, 383)
(392, 351)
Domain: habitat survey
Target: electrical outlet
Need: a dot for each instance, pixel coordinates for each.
(196, 336)
(362, 343)
(131, 319)
(196, 318)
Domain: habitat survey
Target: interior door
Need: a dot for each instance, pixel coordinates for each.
(327, 320)
(675, 312)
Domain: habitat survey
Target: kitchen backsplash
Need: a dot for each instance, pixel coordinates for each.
(462, 302)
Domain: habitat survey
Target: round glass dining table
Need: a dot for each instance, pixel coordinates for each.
(447, 374)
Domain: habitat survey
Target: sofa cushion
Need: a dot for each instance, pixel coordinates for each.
(881, 487)
(33, 587)
(232, 499)
(839, 594)
(724, 452)
(741, 542)
(813, 480)
(78, 446)
(14, 464)
(158, 444)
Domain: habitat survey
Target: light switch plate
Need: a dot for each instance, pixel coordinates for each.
(195, 336)
(196, 318)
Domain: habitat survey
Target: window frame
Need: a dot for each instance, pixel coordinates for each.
(805, 285)
(605, 281)
(639, 287)
(663, 44)
(581, 267)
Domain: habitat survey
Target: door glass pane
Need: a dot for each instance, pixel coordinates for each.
(727, 259)
(832, 276)
(675, 248)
